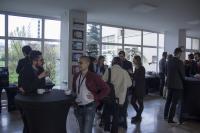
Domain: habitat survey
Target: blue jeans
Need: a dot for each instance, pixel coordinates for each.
(85, 116)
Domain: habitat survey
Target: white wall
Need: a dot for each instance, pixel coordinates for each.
(171, 41)
(64, 53)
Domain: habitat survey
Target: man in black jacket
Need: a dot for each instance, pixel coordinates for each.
(162, 71)
(32, 77)
(175, 78)
(24, 61)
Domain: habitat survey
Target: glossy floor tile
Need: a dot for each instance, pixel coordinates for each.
(152, 121)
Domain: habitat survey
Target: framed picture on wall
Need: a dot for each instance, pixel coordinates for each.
(78, 34)
(77, 45)
(76, 56)
(75, 69)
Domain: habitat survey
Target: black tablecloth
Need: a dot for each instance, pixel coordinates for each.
(11, 92)
(46, 113)
(152, 83)
(191, 98)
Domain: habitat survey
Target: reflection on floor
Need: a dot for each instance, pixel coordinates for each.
(152, 121)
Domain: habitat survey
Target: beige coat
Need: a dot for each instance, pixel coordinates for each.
(121, 81)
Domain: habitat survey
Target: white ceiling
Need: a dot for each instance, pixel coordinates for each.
(168, 15)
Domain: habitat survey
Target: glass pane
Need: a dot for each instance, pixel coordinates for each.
(195, 44)
(2, 25)
(52, 29)
(15, 53)
(111, 34)
(93, 39)
(24, 27)
(186, 55)
(110, 51)
(150, 59)
(2, 53)
(131, 51)
(160, 52)
(52, 60)
(161, 40)
(149, 39)
(188, 43)
(132, 37)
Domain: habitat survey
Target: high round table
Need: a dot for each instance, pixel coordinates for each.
(46, 113)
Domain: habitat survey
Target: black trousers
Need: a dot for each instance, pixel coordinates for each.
(110, 116)
(173, 97)
(137, 103)
(162, 83)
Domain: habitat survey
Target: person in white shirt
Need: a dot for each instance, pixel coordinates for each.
(85, 85)
(120, 79)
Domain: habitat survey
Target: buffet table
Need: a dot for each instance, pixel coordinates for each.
(45, 113)
(191, 98)
(152, 83)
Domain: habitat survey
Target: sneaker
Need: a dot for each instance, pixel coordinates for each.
(171, 122)
(165, 117)
(136, 119)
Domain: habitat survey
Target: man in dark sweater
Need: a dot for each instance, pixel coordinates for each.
(175, 78)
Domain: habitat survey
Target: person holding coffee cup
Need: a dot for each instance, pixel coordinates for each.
(33, 76)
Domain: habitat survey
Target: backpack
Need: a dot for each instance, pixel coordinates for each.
(111, 95)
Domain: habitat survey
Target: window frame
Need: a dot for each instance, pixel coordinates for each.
(158, 47)
(42, 40)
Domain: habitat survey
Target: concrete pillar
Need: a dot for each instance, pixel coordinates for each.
(175, 38)
(73, 33)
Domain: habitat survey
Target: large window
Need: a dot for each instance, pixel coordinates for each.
(25, 30)
(132, 36)
(111, 34)
(110, 51)
(52, 59)
(149, 39)
(93, 40)
(2, 25)
(15, 53)
(150, 59)
(24, 27)
(2, 53)
(109, 40)
(52, 29)
(130, 51)
(192, 46)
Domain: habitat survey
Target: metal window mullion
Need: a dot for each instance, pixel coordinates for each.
(123, 39)
(191, 43)
(100, 41)
(6, 40)
(43, 30)
(142, 46)
(157, 52)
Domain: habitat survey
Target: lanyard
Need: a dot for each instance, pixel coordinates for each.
(80, 82)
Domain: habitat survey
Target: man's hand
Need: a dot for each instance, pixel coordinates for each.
(43, 74)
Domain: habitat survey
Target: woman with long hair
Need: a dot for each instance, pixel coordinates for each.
(138, 88)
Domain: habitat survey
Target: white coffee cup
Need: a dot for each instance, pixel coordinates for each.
(41, 91)
(68, 92)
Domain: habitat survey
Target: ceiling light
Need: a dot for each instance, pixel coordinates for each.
(144, 8)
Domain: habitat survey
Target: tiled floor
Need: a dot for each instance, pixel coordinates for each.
(152, 121)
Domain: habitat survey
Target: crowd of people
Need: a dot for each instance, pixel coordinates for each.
(172, 71)
(104, 90)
